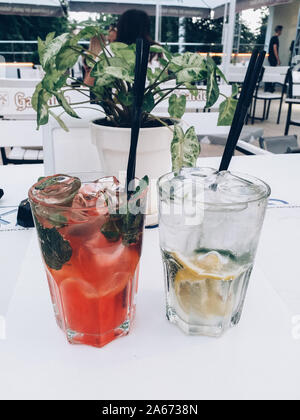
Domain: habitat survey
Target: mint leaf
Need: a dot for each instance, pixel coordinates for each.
(128, 226)
(56, 251)
(48, 182)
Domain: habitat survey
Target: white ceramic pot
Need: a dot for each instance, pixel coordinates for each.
(153, 153)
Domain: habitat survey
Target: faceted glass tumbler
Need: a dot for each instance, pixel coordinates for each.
(91, 256)
(209, 226)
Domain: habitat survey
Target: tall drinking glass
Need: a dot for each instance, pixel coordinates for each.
(91, 240)
(210, 224)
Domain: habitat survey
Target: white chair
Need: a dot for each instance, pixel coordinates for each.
(73, 151)
(29, 73)
(206, 126)
(18, 126)
(274, 75)
(250, 149)
(16, 135)
(12, 72)
(279, 144)
(293, 98)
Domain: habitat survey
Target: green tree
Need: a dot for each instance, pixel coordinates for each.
(27, 28)
(261, 36)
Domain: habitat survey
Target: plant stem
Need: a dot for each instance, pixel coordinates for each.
(154, 117)
(76, 103)
(167, 94)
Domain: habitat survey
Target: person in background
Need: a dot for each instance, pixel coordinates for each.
(112, 34)
(95, 48)
(135, 24)
(274, 59)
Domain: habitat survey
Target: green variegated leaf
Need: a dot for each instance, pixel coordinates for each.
(59, 120)
(65, 104)
(52, 48)
(34, 99)
(119, 73)
(226, 111)
(50, 79)
(42, 45)
(127, 52)
(42, 107)
(221, 74)
(157, 49)
(97, 69)
(104, 80)
(163, 62)
(66, 57)
(126, 98)
(185, 148)
(61, 81)
(157, 75)
(177, 106)
(187, 61)
(49, 38)
(41, 48)
(187, 75)
(116, 47)
(148, 103)
(88, 32)
(235, 90)
(188, 67)
(192, 89)
(212, 90)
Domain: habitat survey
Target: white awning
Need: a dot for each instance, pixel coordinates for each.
(31, 7)
(177, 8)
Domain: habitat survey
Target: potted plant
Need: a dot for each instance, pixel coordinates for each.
(112, 94)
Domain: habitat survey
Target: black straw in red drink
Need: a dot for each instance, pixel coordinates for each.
(141, 65)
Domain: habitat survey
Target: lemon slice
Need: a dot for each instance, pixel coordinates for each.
(199, 285)
(203, 268)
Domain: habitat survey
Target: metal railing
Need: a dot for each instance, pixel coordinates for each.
(27, 50)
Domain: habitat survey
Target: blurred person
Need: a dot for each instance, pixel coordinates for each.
(273, 58)
(95, 48)
(135, 24)
(112, 34)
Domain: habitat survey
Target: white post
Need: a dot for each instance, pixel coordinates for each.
(224, 36)
(269, 27)
(158, 22)
(181, 34)
(230, 34)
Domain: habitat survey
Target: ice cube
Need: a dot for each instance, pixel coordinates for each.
(56, 190)
(230, 188)
(99, 193)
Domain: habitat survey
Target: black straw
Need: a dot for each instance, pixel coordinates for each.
(141, 65)
(251, 78)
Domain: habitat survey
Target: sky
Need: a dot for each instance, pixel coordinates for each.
(252, 19)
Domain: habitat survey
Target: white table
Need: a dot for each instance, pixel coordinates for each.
(206, 125)
(257, 359)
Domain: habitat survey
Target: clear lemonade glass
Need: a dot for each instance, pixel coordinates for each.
(209, 224)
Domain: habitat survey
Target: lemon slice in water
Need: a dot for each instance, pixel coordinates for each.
(201, 287)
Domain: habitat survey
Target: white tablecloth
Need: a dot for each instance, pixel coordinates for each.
(257, 359)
